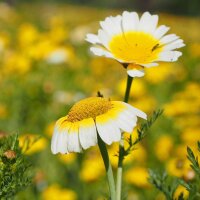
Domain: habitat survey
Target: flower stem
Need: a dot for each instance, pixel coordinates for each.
(121, 146)
(128, 88)
(108, 167)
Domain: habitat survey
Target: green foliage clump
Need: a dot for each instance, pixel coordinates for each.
(15, 174)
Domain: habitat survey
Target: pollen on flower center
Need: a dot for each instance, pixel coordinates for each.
(137, 47)
(89, 108)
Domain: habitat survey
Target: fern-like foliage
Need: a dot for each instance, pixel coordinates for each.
(142, 131)
(15, 172)
(168, 188)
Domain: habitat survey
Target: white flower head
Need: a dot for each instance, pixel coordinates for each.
(89, 117)
(135, 42)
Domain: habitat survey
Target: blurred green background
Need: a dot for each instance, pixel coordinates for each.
(46, 66)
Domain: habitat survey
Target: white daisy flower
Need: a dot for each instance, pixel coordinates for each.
(89, 117)
(135, 42)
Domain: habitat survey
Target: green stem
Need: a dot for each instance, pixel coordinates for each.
(128, 88)
(108, 167)
(121, 146)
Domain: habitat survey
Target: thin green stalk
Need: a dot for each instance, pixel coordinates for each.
(128, 88)
(121, 146)
(108, 167)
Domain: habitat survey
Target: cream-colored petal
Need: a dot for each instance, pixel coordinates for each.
(104, 38)
(60, 129)
(174, 45)
(136, 111)
(150, 65)
(160, 31)
(98, 51)
(148, 22)
(169, 56)
(92, 38)
(62, 142)
(87, 133)
(112, 25)
(54, 141)
(107, 129)
(168, 38)
(73, 143)
(130, 21)
(126, 122)
(135, 72)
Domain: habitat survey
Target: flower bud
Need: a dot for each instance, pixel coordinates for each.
(10, 154)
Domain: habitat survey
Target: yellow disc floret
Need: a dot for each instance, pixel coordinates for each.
(136, 47)
(89, 108)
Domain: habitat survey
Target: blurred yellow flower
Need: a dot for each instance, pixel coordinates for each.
(137, 155)
(179, 167)
(188, 121)
(146, 103)
(27, 34)
(138, 88)
(31, 143)
(165, 141)
(185, 102)
(55, 192)
(49, 129)
(165, 71)
(158, 74)
(137, 176)
(3, 111)
(58, 34)
(180, 189)
(16, 63)
(67, 158)
(191, 135)
(4, 41)
(92, 168)
(41, 49)
(194, 49)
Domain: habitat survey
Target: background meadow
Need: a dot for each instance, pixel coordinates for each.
(46, 66)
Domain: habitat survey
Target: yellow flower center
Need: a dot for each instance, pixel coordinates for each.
(136, 47)
(89, 108)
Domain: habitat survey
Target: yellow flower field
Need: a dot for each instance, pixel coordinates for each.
(46, 66)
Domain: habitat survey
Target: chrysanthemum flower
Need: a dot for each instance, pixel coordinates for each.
(135, 42)
(89, 117)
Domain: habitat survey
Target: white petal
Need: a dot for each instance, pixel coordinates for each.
(73, 143)
(130, 21)
(104, 38)
(108, 130)
(174, 45)
(54, 141)
(135, 72)
(136, 111)
(92, 38)
(62, 142)
(160, 31)
(169, 56)
(87, 133)
(148, 22)
(125, 122)
(168, 38)
(112, 25)
(98, 51)
(150, 65)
